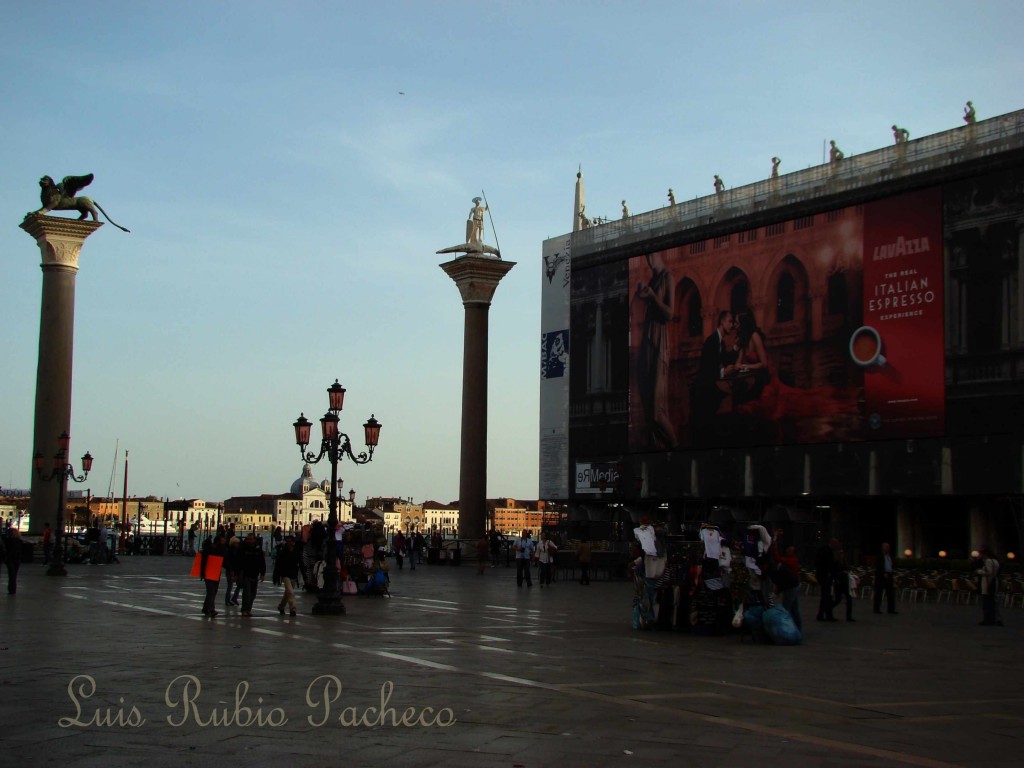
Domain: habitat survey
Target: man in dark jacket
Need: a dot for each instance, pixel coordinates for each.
(286, 571)
(885, 567)
(824, 571)
(254, 569)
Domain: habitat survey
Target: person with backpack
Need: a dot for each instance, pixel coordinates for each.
(786, 576)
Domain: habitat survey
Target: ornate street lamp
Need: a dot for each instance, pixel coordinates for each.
(333, 445)
(61, 471)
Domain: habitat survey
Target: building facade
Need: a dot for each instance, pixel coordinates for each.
(838, 351)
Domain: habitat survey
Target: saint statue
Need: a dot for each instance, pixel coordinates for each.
(475, 222)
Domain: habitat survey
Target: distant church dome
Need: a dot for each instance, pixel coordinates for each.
(305, 482)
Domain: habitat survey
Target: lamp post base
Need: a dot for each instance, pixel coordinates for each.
(329, 605)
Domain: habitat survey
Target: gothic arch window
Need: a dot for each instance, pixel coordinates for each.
(838, 297)
(791, 290)
(739, 291)
(785, 298)
(688, 309)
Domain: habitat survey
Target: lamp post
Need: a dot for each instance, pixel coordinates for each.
(61, 471)
(333, 445)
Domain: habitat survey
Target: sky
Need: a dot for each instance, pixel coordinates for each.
(288, 171)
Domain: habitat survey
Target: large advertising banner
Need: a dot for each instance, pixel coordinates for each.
(554, 370)
(901, 344)
(826, 328)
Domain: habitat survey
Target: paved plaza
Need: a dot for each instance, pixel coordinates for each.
(476, 672)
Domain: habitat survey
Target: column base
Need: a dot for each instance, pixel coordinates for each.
(329, 605)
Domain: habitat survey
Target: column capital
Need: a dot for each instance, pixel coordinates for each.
(60, 240)
(477, 277)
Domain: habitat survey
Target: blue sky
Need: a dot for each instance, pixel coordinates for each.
(286, 200)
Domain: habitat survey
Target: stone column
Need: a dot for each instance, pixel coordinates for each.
(60, 241)
(477, 278)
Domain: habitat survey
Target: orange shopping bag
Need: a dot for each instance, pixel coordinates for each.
(213, 566)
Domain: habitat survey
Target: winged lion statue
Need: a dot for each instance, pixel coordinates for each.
(61, 197)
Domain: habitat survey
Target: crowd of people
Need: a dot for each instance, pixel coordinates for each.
(753, 576)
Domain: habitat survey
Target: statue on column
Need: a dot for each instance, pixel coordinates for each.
(475, 222)
(474, 245)
(61, 197)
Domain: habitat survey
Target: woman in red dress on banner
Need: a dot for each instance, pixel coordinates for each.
(760, 394)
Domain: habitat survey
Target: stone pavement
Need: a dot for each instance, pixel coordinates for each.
(490, 675)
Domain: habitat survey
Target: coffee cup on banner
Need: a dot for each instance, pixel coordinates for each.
(866, 347)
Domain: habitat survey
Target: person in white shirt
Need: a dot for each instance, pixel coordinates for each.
(524, 555)
(545, 556)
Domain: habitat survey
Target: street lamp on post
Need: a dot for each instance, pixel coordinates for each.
(334, 444)
(61, 471)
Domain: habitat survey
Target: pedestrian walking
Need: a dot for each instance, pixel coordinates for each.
(545, 557)
(398, 544)
(211, 548)
(824, 571)
(524, 557)
(416, 551)
(495, 540)
(254, 570)
(786, 578)
(233, 570)
(583, 557)
(47, 543)
(988, 588)
(12, 558)
(841, 584)
(884, 576)
(286, 571)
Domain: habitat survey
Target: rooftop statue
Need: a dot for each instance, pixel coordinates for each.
(835, 154)
(969, 116)
(61, 197)
(901, 135)
(776, 162)
(719, 185)
(625, 210)
(671, 196)
(474, 245)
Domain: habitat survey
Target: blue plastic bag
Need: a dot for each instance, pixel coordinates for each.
(780, 627)
(753, 619)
